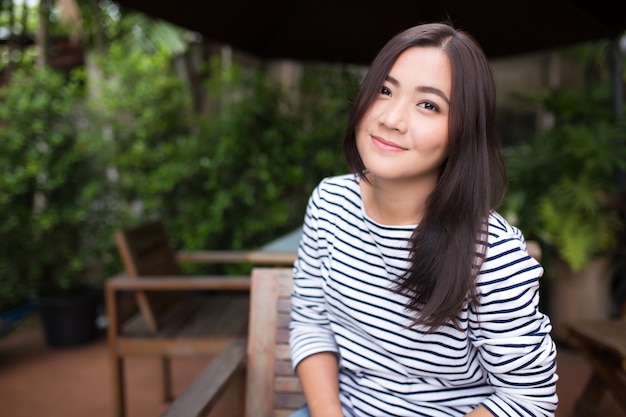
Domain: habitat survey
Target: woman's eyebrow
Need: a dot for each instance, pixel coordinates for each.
(422, 89)
(392, 80)
(433, 90)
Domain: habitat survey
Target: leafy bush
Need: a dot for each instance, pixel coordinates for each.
(51, 187)
(264, 151)
(234, 179)
(563, 179)
(83, 156)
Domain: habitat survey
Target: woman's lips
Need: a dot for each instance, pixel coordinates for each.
(386, 145)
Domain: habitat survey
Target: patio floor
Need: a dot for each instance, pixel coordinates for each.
(36, 380)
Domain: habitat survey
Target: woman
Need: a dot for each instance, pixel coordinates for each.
(412, 296)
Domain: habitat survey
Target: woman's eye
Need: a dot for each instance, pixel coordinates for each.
(385, 90)
(428, 106)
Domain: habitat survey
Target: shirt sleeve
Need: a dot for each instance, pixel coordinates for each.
(511, 334)
(310, 330)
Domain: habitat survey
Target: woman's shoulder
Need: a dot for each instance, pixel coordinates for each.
(338, 185)
(499, 227)
(503, 236)
(343, 180)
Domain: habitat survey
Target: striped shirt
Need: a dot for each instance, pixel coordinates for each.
(501, 357)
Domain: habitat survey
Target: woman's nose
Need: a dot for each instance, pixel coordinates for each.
(394, 117)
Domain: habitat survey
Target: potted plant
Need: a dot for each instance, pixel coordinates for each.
(53, 217)
(15, 297)
(15, 303)
(564, 184)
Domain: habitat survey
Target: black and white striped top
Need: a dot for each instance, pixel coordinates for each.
(503, 358)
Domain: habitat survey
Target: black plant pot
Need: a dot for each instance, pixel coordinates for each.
(70, 320)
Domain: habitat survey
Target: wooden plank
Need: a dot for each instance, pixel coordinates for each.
(176, 321)
(171, 347)
(283, 368)
(132, 269)
(146, 311)
(222, 315)
(282, 352)
(257, 257)
(214, 256)
(608, 334)
(284, 303)
(287, 400)
(203, 393)
(259, 387)
(288, 384)
(117, 379)
(282, 335)
(605, 369)
(145, 250)
(160, 261)
(284, 278)
(273, 258)
(265, 289)
(182, 283)
(187, 315)
(202, 316)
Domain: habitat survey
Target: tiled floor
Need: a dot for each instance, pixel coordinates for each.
(36, 380)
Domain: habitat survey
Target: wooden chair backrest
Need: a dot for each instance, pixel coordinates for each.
(272, 387)
(146, 251)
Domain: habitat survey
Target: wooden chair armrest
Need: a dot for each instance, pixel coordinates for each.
(180, 283)
(273, 258)
(258, 257)
(213, 256)
(204, 392)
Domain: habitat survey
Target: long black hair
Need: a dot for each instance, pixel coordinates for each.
(448, 246)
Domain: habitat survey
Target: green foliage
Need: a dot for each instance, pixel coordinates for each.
(264, 152)
(50, 186)
(562, 178)
(138, 32)
(83, 156)
(143, 114)
(234, 179)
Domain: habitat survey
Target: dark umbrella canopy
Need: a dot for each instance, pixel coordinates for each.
(352, 31)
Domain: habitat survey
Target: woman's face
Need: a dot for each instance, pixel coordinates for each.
(404, 133)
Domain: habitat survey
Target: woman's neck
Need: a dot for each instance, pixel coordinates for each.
(395, 203)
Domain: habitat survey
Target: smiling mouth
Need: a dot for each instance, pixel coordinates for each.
(386, 145)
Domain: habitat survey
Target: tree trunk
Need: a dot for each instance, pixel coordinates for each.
(43, 33)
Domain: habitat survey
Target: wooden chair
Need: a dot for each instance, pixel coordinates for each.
(257, 370)
(175, 314)
(603, 344)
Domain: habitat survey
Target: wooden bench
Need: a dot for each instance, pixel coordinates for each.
(257, 370)
(175, 314)
(603, 344)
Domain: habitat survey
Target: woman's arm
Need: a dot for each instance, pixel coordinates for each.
(319, 377)
(312, 341)
(510, 332)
